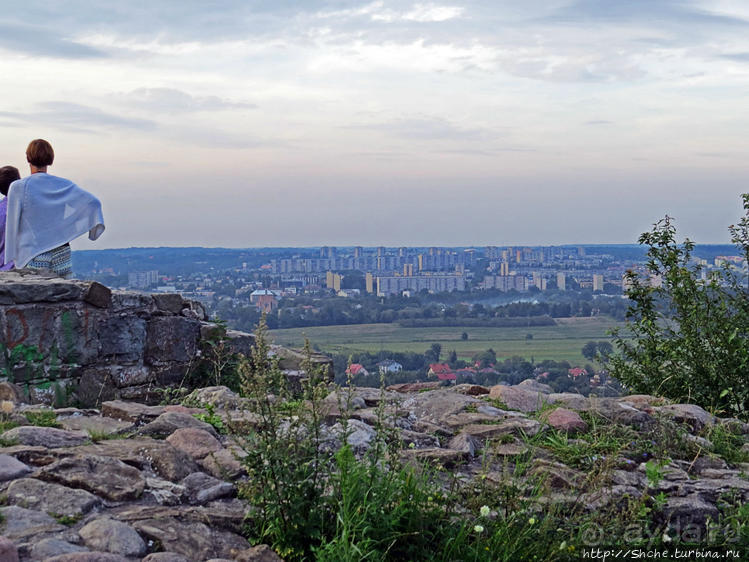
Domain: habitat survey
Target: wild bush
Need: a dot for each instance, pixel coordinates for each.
(687, 336)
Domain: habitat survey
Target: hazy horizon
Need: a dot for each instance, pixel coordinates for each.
(448, 123)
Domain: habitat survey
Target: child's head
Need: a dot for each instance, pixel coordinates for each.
(8, 174)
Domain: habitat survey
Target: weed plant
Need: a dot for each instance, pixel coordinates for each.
(314, 496)
(43, 418)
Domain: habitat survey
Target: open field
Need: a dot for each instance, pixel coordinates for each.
(561, 342)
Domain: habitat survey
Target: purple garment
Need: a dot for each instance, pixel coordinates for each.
(3, 216)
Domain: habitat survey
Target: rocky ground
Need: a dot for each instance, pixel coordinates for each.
(155, 483)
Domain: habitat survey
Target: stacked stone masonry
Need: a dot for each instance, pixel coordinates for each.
(78, 341)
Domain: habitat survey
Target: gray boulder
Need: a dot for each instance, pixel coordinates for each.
(113, 536)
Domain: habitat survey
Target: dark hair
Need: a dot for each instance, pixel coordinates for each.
(8, 174)
(40, 153)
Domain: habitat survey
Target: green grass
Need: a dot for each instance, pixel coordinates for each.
(561, 342)
(43, 418)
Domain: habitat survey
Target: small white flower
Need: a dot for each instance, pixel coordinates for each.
(666, 538)
(484, 511)
(478, 529)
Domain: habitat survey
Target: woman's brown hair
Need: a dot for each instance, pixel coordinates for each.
(40, 153)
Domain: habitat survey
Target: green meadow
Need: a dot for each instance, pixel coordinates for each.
(561, 342)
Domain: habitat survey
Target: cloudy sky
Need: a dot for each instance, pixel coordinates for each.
(273, 123)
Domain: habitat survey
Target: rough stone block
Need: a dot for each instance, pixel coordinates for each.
(130, 411)
(170, 302)
(11, 468)
(19, 288)
(113, 536)
(98, 295)
(95, 386)
(124, 301)
(194, 309)
(10, 392)
(123, 337)
(197, 443)
(240, 342)
(172, 338)
(126, 376)
(64, 333)
(52, 393)
(146, 393)
(8, 551)
(169, 373)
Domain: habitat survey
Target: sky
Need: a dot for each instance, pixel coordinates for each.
(243, 123)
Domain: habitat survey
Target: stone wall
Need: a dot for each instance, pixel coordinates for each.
(71, 341)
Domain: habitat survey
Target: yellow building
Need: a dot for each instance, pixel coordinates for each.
(369, 279)
(333, 281)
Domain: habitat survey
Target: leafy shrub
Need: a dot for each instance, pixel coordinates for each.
(687, 337)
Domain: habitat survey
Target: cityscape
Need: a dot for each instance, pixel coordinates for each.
(267, 276)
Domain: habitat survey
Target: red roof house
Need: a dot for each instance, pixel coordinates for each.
(437, 368)
(356, 369)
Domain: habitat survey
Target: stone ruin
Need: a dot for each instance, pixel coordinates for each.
(68, 341)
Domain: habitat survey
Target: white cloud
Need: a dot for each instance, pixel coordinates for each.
(377, 11)
(416, 56)
(171, 100)
(421, 13)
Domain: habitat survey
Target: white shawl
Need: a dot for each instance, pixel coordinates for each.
(45, 212)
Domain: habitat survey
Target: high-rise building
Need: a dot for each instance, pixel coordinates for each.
(561, 281)
(506, 282)
(358, 251)
(333, 281)
(143, 279)
(432, 283)
(538, 281)
(369, 280)
(597, 282)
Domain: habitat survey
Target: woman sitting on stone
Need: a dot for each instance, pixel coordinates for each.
(45, 213)
(8, 174)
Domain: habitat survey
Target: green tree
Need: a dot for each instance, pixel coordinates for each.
(485, 358)
(589, 350)
(687, 333)
(433, 353)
